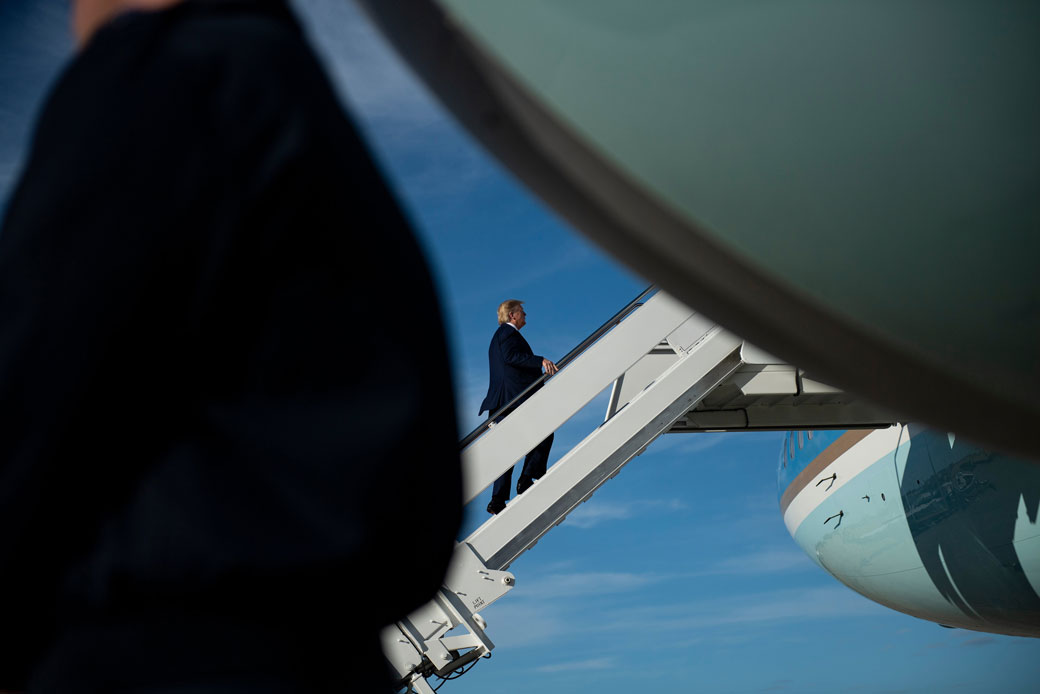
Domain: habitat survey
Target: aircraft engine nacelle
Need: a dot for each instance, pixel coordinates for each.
(919, 521)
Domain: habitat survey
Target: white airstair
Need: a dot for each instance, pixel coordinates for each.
(672, 371)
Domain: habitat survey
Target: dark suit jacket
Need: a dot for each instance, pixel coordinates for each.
(513, 366)
(199, 403)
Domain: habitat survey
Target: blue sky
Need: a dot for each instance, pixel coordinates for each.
(679, 574)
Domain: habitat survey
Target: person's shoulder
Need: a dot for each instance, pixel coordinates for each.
(513, 336)
(191, 57)
(251, 31)
(250, 71)
(254, 45)
(199, 30)
(502, 334)
(230, 43)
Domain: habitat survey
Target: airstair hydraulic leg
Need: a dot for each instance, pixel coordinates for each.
(419, 647)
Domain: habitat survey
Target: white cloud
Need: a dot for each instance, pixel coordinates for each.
(590, 664)
(521, 624)
(470, 389)
(688, 443)
(760, 562)
(792, 606)
(558, 615)
(392, 105)
(981, 641)
(581, 584)
(364, 66)
(558, 260)
(799, 605)
(593, 513)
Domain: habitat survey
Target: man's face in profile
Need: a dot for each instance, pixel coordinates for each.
(518, 317)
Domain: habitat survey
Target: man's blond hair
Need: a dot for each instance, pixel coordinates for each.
(507, 307)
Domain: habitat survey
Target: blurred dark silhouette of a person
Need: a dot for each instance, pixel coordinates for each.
(513, 366)
(222, 467)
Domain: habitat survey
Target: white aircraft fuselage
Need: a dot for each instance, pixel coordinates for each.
(920, 521)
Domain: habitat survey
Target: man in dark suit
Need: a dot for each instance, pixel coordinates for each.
(514, 366)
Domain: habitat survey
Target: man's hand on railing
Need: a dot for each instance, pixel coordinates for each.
(549, 367)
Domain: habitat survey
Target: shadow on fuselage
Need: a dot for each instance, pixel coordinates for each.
(961, 504)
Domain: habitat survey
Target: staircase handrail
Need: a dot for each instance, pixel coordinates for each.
(569, 357)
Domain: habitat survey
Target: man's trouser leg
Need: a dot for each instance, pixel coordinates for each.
(500, 492)
(534, 468)
(535, 462)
